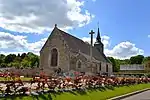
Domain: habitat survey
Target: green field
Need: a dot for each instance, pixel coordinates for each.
(94, 94)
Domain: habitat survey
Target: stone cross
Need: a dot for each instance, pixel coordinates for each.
(55, 25)
(92, 32)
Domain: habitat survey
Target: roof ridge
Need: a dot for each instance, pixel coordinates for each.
(70, 35)
(48, 37)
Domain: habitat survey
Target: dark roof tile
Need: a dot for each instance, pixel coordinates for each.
(77, 44)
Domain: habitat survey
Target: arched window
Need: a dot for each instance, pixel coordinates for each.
(54, 57)
(79, 64)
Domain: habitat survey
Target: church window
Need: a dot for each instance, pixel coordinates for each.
(54, 57)
(100, 65)
(106, 67)
(79, 64)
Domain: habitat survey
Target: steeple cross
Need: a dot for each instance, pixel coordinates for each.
(92, 32)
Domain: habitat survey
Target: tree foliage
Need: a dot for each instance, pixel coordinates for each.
(114, 64)
(146, 59)
(19, 61)
(136, 59)
(139, 59)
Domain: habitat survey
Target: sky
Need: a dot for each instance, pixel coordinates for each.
(124, 24)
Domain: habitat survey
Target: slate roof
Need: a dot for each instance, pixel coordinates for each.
(76, 44)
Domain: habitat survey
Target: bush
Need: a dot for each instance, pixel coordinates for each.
(148, 75)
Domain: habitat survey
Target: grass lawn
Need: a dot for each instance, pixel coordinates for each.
(23, 79)
(94, 94)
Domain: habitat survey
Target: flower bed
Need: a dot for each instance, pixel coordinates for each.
(57, 85)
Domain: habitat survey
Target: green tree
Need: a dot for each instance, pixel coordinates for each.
(115, 67)
(2, 59)
(16, 64)
(33, 58)
(23, 55)
(10, 58)
(146, 59)
(137, 59)
(30, 60)
(18, 58)
(25, 62)
(3, 65)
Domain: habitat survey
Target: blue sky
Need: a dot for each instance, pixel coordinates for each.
(127, 20)
(124, 24)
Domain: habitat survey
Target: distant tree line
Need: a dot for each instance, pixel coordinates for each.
(23, 60)
(139, 59)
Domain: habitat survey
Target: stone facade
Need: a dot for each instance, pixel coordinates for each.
(55, 41)
(69, 59)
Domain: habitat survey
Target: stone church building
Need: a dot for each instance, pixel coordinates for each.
(69, 53)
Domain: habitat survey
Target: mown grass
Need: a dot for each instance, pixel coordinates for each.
(93, 94)
(9, 79)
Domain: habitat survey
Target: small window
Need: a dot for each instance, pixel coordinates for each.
(100, 65)
(54, 57)
(79, 64)
(106, 67)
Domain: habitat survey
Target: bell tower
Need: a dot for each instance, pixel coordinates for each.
(98, 44)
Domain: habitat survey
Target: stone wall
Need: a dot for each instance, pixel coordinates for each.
(55, 41)
(29, 72)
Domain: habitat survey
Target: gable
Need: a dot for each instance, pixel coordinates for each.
(48, 39)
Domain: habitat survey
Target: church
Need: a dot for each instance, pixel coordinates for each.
(68, 53)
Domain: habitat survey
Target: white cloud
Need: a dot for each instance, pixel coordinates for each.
(7, 53)
(88, 40)
(105, 40)
(124, 50)
(37, 15)
(148, 36)
(8, 40)
(36, 46)
(19, 44)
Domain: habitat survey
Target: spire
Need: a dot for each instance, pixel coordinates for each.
(98, 38)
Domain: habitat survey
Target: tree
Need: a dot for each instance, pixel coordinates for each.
(30, 60)
(25, 62)
(2, 59)
(3, 65)
(33, 58)
(136, 59)
(16, 64)
(10, 58)
(115, 67)
(18, 61)
(146, 59)
(18, 58)
(23, 55)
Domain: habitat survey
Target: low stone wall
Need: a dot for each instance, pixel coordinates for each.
(29, 72)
